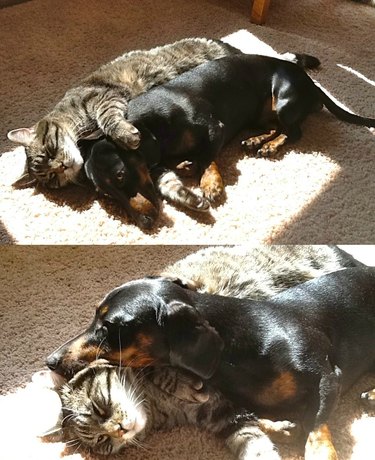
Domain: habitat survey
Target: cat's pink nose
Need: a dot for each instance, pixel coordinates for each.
(125, 427)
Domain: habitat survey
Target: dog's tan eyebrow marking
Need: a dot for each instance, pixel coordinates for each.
(144, 340)
(103, 309)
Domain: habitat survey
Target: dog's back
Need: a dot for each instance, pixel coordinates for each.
(339, 307)
(234, 89)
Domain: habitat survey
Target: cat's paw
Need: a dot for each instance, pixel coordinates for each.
(190, 388)
(127, 136)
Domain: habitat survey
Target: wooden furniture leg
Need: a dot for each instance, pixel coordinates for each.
(259, 11)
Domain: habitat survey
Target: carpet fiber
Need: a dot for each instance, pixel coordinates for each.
(48, 300)
(322, 190)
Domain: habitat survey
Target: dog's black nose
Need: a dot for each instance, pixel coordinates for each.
(53, 361)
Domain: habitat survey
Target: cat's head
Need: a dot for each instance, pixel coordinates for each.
(102, 409)
(52, 156)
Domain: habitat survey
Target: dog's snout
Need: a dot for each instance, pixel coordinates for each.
(53, 361)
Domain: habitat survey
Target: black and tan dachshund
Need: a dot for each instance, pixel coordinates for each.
(194, 115)
(296, 352)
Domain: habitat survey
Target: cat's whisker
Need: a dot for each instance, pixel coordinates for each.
(120, 348)
(98, 351)
(68, 417)
(138, 403)
(72, 442)
(142, 445)
(78, 447)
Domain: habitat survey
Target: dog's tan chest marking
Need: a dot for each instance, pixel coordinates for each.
(282, 389)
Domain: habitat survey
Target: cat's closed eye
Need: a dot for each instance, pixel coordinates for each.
(102, 438)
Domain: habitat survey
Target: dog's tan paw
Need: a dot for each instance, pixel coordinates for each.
(319, 445)
(251, 143)
(212, 183)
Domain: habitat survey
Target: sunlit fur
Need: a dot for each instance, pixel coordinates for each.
(106, 408)
(99, 104)
(103, 409)
(257, 272)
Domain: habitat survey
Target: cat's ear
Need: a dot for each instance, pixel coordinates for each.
(194, 344)
(23, 136)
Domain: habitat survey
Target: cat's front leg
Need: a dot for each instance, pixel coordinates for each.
(111, 109)
(180, 384)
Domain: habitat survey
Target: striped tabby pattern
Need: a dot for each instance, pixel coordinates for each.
(107, 408)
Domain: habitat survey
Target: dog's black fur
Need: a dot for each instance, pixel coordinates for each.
(121, 175)
(194, 115)
(298, 351)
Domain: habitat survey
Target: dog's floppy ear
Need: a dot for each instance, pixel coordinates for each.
(182, 282)
(194, 345)
(150, 147)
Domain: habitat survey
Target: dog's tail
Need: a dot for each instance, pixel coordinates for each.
(343, 114)
(306, 61)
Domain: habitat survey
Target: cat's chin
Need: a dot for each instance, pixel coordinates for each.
(138, 427)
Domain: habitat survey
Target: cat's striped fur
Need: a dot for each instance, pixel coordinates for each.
(107, 408)
(98, 104)
(256, 272)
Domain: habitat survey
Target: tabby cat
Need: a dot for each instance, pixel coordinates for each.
(257, 272)
(106, 408)
(99, 105)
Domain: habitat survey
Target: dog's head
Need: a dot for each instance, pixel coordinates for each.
(151, 321)
(121, 175)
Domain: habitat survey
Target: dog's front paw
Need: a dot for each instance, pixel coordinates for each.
(368, 397)
(267, 150)
(282, 431)
(212, 183)
(143, 212)
(251, 143)
(319, 445)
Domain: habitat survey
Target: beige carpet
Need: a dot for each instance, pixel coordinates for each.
(46, 299)
(321, 191)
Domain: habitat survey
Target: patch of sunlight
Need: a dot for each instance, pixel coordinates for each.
(292, 191)
(363, 430)
(357, 74)
(249, 43)
(25, 415)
